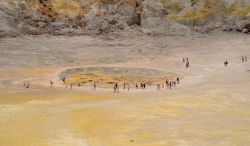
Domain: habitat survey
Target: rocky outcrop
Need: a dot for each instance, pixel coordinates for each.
(198, 15)
(8, 22)
(103, 16)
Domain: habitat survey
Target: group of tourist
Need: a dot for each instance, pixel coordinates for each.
(186, 61)
(243, 59)
(168, 84)
(127, 86)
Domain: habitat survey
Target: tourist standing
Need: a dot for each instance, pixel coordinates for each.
(187, 64)
(225, 63)
(178, 80)
(94, 88)
(116, 88)
(51, 83)
(124, 85)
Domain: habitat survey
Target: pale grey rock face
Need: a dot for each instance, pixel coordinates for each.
(29, 29)
(152, 19)
(151, 16)
(107, 23)
(208, 15)
(7, 23)
(93, 11)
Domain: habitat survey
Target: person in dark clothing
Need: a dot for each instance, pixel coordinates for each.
(116, 88)
(178, 80)
(170, 84)
(225, 63)
(167, 83)
(94, 88)
(51, 83)
(187, 64)
(143, 86)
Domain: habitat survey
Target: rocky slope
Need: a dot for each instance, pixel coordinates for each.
(102, 16)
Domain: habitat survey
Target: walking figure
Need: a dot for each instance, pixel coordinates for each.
(178, 80)
(187, 64)
(24, 83)
(167, 83)
(225, 63)
(136, 85)
(170, 84)
(71, 86)
(51, 83)
(94, 88)
(183, 60)
(243, 59)
(116, 88)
